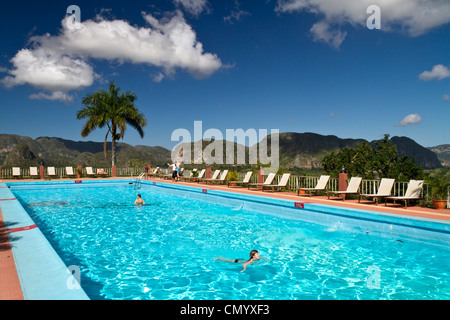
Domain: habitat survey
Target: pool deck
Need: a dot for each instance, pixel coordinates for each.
(10, 288)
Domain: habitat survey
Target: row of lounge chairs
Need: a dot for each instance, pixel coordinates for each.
(245, 182)
(51, 172)
(413, 191)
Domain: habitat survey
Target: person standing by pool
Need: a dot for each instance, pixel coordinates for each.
(139, 200)
(254, 256)
(174, 171)
(178, 171)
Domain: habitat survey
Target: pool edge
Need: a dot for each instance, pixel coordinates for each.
(41, 272)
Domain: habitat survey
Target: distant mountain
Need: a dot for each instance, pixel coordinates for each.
(443, 153)
(297, 151)
(423, 156)
(23, 151)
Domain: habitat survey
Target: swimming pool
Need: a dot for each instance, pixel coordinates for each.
(165, 249)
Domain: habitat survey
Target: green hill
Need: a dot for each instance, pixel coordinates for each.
(297, 151)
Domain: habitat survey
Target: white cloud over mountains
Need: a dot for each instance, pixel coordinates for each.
(410, 120)
(62, 63)
(414, 17)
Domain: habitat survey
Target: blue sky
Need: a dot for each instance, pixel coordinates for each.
(292, 65)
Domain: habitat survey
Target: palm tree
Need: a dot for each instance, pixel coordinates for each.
(114, 110)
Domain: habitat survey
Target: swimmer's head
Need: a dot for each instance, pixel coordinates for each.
(254, 254)
(139, 196)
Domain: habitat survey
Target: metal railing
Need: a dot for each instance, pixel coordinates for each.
(294, 182)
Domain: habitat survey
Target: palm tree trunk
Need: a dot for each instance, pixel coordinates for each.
(113, 147)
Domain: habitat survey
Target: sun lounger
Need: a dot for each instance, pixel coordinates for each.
(222, 178)
(214, 177)
(34, 172)
(413, 192)
(352, 188)
(69, 172)
(16, 172)
(384, 190)
(101, 172)
(154, 172)
(320, 186)
(51, 172)
(90, 172)
(200, 176)
(268, 181)
(191, 175)
(283, 182)
(243, 182)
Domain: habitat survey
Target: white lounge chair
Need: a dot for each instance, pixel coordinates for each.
(222, 178)
(320, 186)
(214, 177)
(384, 190)
(16, 172)
(268, 181)
(90, 172)
(282, 184)
(34, 172)
(246, 180)
(353, 187)
(413, 192)
(191, 175)
(199, 176)
(154, 172)
(69, 172)
(51, 172)
(101, 172)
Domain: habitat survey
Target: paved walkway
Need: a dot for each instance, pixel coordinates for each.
(9, 280)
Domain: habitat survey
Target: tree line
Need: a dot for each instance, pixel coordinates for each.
(380, 161)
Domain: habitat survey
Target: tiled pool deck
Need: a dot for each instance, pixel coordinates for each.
(10, 279)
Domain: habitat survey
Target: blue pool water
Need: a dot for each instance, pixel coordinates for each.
(165, 249)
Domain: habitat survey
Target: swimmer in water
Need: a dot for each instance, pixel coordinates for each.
(139, 200)
(254, 256)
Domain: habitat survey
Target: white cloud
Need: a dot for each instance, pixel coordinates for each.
(414, 17)
(169, 43)
(195, 7)
(46, 69)
(323, 32)
(60, 63)
(54, 96)
(438, 72)
(158, 77)
(236, 14)
(410, 119)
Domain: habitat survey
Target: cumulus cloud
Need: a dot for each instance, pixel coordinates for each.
(410, 119)
(195, 7)
(46, 69)
(61, 63)
(438, 72)
(414, 17)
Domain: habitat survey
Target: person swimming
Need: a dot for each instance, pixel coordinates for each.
(139, 200)
(254, 256)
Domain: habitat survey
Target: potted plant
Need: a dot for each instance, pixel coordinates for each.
(79, 173)
(439, 182)
(194, 175)
(232, 176)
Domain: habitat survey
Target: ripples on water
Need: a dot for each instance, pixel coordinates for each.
(165, 250)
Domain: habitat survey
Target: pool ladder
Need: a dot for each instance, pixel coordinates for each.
(137, 183)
